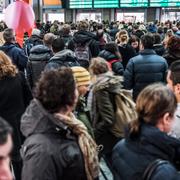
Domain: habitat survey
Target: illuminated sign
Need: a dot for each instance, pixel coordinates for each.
(73, 4)
(164, 3)
(133, 3)
(106, 3)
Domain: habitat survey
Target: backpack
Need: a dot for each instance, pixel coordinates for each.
(83, 54)
(37, 62)
(125, 111)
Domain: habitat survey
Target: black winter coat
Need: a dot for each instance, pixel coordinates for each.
(127, 52)
(132, 156)
(51, 150)
(83, 37)
(172, 56)
(16, 54)
(144, 69)
(159, 49)
(15, 96)
(116, 65)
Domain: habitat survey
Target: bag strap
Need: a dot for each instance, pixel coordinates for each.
(152, 167)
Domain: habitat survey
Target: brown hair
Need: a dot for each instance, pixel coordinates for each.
(152, 103)
(6, 66)
(98, 66)
(122, 36)
(83, 26)
(173, 43)
(56, 89)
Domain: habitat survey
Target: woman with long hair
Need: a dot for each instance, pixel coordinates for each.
(147, 137)
(15, 95)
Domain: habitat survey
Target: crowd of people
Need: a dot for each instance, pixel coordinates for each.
(78, 93)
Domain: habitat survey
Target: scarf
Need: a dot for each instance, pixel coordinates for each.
(86, 143)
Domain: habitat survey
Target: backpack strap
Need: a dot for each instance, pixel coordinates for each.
(152, 168)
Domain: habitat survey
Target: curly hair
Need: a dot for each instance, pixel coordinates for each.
(56, 89)
(6, 66)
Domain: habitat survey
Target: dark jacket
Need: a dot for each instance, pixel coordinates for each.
(133, 155)
(16, 54)
(83, 37)
(159, 49)
(51, 150)
(172, 56)
(127, 52)
(114, 62)
(15, 96)
(62, 58)
(38, 58)
(103, 109)
(144, 69)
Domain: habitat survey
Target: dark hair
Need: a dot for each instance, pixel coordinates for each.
(152, 103)
(113, 48)
(175, 72)
(133, 38)
(173, 43)
(58, 45)
(5, 130)
(157, 38)
(147, 41)
(8, 35)
(56, 89)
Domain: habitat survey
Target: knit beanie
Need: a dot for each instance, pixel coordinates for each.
(81, 75)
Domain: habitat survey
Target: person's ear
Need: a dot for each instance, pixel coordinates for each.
(166, 122)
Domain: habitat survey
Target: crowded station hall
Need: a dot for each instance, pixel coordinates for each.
(89, 89)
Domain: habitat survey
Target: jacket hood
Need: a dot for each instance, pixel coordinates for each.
(107, 55)
(37, 120)
(108, 81)
(83, 37)
(39, 49)
(62, 55)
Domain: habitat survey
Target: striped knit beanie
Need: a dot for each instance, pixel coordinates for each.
(81, 75)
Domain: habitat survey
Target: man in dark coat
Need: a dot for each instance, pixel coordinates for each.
(16, 54)
(146, 68)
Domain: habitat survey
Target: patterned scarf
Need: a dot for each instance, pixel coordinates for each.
(86, 143)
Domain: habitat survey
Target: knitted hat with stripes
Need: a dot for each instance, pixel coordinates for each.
(81, 75)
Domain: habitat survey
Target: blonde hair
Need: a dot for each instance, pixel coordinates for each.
(122, 37)
(6, 66)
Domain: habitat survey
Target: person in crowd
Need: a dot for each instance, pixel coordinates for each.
(55, 28)
(134, 42)
(113, 57)
(168, 34)
(34, 40)
(38, 58)
(57, 145)
(16, 54)
(147, 137)
(173, 81)
(113, 31)
(1, 35)
(83, 37)
(160, 31)
(126, 50)
(158, 46)
(15, 96)
(66, 34)
(6, 145)
(173, 49)
(62, 56)
(146, 68)
(103, 105)
(82, 78)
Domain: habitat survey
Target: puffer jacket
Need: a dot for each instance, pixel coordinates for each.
(62, 58)
(144, 69)
(113, 60)
(132, 155)
(159, 49)
(103, 109)
(51, 150)
(172, 56)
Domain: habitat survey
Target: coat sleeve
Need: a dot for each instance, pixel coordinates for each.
(129, 75)
(105, 110)
(39, 165)
(22, 59)
(118, 68)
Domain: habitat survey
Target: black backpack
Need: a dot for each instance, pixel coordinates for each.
(38, 58)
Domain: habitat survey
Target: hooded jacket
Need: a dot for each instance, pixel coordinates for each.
(51, 150)
(16, 54)
(114, 61)
(62, 58)
(83, 37)
(132, 155)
